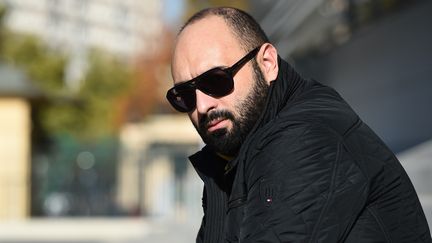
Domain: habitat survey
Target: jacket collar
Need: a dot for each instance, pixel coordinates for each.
(282, 90)
(208, 164)
(285, 88)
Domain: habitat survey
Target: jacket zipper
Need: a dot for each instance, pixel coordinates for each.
(236, 202)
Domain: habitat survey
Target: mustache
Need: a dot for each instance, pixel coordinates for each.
(219, 114)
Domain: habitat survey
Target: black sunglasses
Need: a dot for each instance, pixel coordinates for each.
(216, 82)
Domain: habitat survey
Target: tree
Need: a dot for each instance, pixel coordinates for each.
(151, 79)
(43, 66)
(86, 114)
(92, 113)
(2, 29)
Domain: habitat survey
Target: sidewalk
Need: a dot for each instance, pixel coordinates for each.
(96, 230)
(417, 163)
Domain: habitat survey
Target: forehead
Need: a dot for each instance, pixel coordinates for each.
(202, 45)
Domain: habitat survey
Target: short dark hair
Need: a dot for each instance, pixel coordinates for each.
(244, 27)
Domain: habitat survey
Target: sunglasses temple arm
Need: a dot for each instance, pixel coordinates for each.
(234, 68)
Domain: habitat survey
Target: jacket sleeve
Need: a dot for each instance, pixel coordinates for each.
(305, 188)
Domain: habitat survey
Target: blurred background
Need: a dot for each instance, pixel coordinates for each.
(90, 151)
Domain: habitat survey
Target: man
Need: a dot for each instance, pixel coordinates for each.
(286, 159)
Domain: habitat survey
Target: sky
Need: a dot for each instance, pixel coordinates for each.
(173, 12)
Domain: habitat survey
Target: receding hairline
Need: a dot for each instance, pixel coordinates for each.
(197, 21)
(192, 30)
(239, 23)
(207, 16)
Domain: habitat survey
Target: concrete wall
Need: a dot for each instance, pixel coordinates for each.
(384, 71)
(14, 158)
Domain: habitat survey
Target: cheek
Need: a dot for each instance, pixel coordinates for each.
(242, 87)
(244, 77)
(193, 116)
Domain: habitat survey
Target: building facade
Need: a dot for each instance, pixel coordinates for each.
(16, 94)
(155, 177)
(124, 28)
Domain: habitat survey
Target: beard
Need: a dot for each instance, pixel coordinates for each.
(228, 142)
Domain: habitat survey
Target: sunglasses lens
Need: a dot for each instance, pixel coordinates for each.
(182, 100)
(217, 83)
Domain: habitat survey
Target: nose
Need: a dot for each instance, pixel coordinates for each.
(204, 103)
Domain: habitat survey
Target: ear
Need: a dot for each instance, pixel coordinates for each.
(268, 62)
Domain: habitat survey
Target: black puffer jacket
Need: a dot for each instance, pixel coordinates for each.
(310, 171)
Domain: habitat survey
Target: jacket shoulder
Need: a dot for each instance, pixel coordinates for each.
(319, 105)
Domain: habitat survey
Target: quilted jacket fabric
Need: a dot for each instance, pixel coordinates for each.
(309, 171)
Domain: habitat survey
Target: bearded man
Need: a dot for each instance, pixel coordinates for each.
(286, 159)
